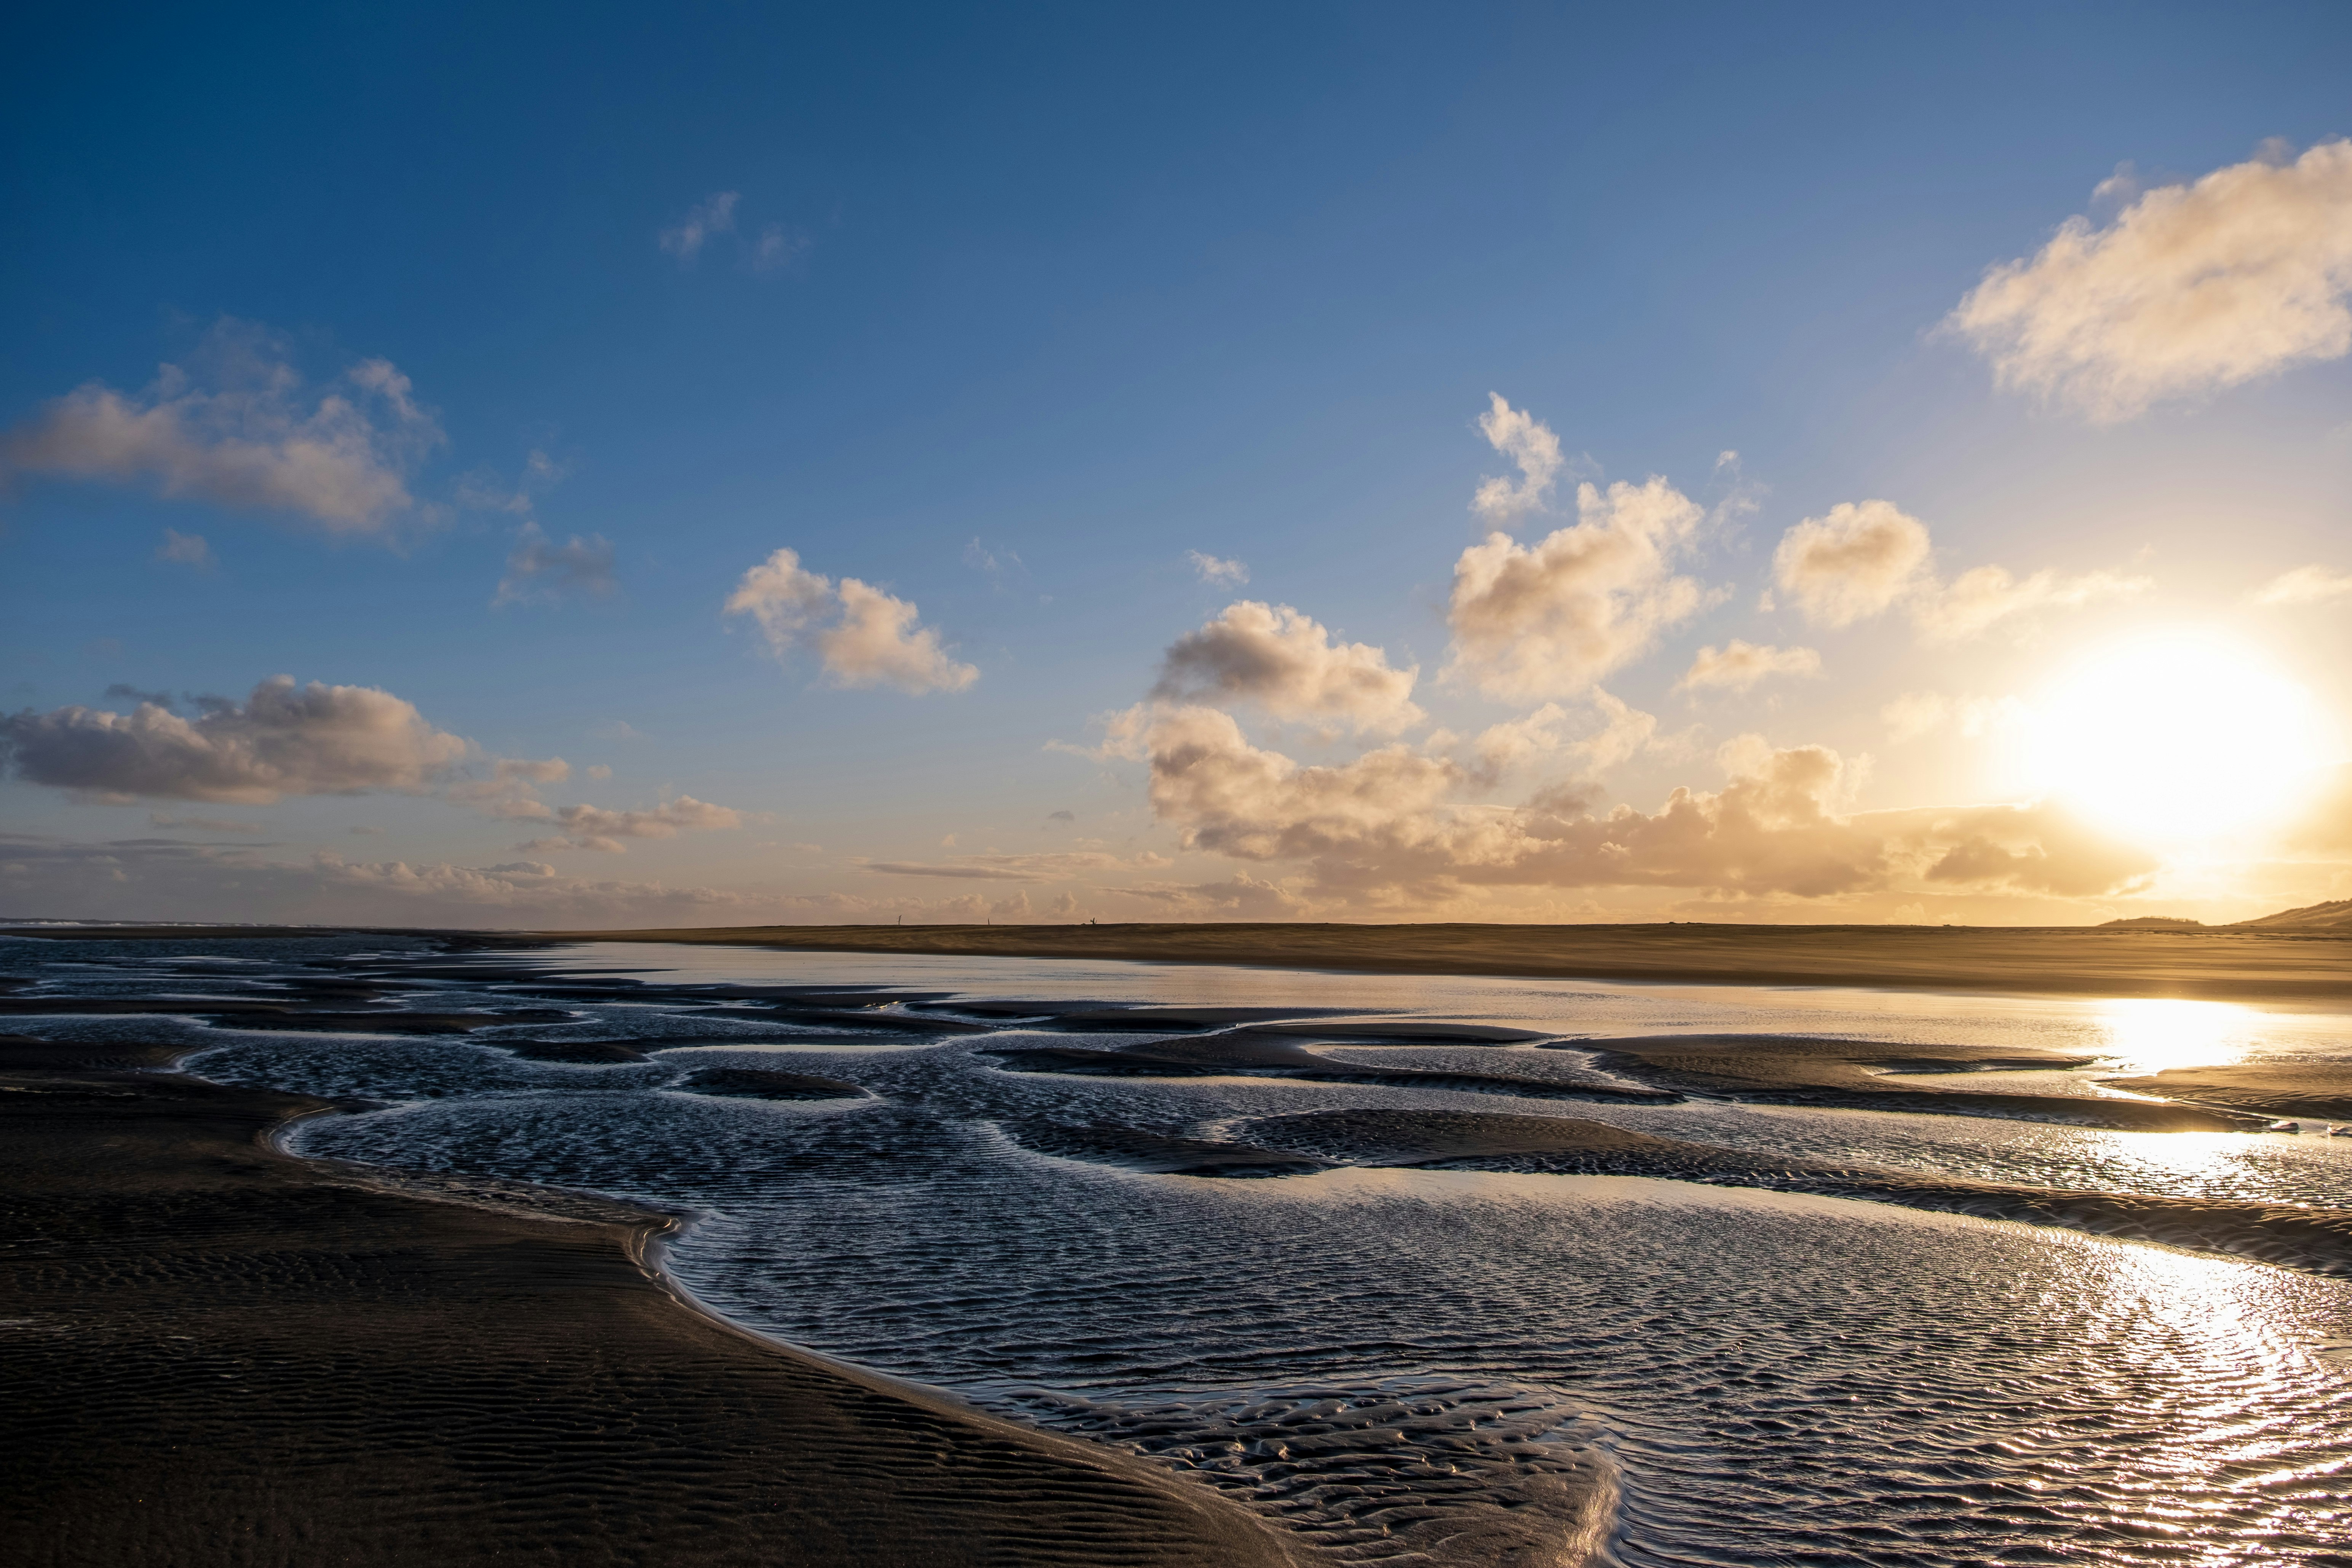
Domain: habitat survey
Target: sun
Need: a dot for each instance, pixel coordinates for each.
(2178, 738)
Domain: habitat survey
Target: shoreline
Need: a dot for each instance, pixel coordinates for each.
(2280, 966)
(2286, 967)
(222, 1352)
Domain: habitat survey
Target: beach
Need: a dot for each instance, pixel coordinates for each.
(491, 1248)
(216, 1354)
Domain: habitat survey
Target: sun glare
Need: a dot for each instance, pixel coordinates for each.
(2177, 738)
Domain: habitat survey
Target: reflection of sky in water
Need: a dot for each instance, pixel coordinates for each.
(1781, 1379)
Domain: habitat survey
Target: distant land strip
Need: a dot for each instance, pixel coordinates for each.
(2267, 963)
(2279, 959)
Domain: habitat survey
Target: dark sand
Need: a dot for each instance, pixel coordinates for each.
(2289, 1236)
(1783, 1069)
(217, 1355)
(2289, 1089)
(1253, 1053)
(2235, 964)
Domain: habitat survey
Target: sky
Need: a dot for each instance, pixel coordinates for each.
(716, 465)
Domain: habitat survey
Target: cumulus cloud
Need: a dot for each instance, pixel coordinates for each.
(186, 549)
(541, 569)
(2304, 585)
(1623, 732)
(714, 215)
(1532, 448)
(1394, 823)
(1285, 663)
(864, 636)
(2192, 288)
(1738, 666)
(282, 740)
(239, 428)
(1862, 558)
(1853, 563)
(1549, 618)
(1216, 570)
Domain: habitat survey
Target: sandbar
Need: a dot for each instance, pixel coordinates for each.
(216, 1354)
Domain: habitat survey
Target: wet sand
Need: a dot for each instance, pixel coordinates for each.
(210, 1352)
(1860, 1075)
(2322, 1089)
(2244, 965)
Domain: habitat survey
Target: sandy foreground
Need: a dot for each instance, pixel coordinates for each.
(2248, 965)
(210, 1352)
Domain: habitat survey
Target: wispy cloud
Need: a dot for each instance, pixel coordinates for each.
(2304, 585)
(186, 549)
(541, 569)
(1217, 571)
(715, 214)
(1738, 666)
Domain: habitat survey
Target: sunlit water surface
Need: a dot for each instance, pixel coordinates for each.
(1767, 1379)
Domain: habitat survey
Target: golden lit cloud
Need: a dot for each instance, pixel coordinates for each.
(1547, 619)
(2192, 288)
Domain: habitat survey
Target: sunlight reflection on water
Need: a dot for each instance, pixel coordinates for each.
(2152, 1035)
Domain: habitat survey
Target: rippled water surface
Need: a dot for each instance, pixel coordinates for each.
(1431, 1364)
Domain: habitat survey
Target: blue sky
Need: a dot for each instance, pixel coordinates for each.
(1005, 313)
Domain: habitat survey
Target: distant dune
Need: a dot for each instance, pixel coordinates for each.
(2332, 917)
(2261, 960)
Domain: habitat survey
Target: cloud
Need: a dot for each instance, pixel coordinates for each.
(1623, 732)
(1738, 666)
(777, 247)
(1237, 897)
(171, 878)
(282, 740)
(1975, 600)
(200, 823)
(592, 828)
(1853, 563)
(1286, 663)
(1548, 619)
(1863, 559)
(864, 636)
(1531, 446)
(1392, 825)
(540, 569)
(704, 219)
(186, 549)
(1216, 570)
(1038, 867)
(2192, 288)
(127, 693)
(248, 434)
(2304, 585)
(1914, 714)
